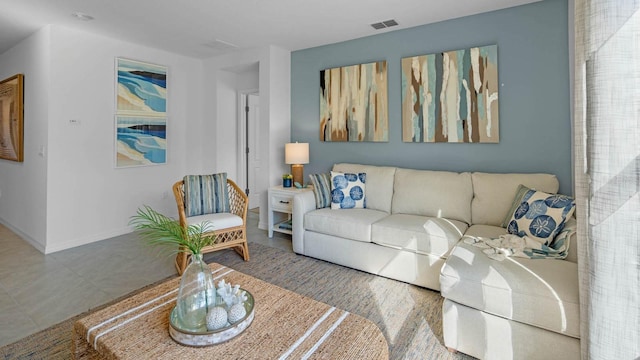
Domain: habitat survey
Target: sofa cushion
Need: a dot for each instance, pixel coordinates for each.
(353, 224)
(493, 194)
(432, 236)
(348, 190)
(542, 292)
(379, 183)
(441, 194)
(539, 215)
(485, 231)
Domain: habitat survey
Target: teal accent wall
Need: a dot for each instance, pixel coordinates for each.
(533, 70)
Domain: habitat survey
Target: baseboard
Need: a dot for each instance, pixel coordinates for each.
(36, 244)
(86, 240)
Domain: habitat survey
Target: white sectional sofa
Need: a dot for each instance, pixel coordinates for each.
(411, 230)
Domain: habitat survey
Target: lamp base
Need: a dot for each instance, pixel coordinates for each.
(297, 171)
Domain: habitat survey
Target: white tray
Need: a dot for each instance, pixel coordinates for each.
(206, 338)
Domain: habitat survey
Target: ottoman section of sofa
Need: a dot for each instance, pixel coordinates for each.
(537, 292)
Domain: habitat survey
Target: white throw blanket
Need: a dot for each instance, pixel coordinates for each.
(525, 247)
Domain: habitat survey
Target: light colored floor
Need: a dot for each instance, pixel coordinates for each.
(37, 290)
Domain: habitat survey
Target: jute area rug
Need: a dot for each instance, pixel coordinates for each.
(409, 316)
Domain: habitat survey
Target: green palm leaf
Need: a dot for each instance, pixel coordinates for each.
(158, 229)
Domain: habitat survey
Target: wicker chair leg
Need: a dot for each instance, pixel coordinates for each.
(243, 250)
(182, 259)
(245, 255)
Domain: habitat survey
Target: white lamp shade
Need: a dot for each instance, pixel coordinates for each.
(296, 153)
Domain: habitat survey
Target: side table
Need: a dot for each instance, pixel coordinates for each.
(281, 201)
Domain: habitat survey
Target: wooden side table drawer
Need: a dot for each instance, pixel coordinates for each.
(282, 202)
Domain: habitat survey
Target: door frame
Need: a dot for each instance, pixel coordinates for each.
(242, 158)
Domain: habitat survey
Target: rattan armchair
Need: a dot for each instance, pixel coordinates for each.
(232, 237)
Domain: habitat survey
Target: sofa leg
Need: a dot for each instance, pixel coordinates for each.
(452, 350)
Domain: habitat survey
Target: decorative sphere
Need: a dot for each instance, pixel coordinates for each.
(216, 318)
(236, 312)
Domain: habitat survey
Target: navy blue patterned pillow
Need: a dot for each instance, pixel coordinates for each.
(539, 215)
(321, 189)
(348, 190)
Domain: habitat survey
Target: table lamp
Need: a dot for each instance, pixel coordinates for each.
(297, 154)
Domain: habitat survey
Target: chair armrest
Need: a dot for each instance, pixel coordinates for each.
(238, 201)
(178, 193)
(302, 203)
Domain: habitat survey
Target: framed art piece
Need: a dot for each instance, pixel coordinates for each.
(141, 113)
(12, 118)
(451, 96)
(142, 88)
(354, 103)
(140, 140)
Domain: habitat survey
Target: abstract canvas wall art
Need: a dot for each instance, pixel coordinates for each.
(141, 113)
(354, 103)
(11, 118)
(451, 96)
(140, 140)
(142, 88)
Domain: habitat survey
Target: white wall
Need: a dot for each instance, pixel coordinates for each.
(88, 198)
(275, 103)
(248, 79)
(226, 124)
(74, 195)
(279, 85)
(229, 83)
(23, 185)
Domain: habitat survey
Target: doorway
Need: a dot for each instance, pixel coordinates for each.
(249, 164)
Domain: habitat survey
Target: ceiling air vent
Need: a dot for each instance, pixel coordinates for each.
(390, 23)
(384, 24)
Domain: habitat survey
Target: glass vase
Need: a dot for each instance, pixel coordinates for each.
(196, 296)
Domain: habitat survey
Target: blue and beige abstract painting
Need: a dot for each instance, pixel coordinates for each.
(353, 103)
(141, 113)
(142, 87)
(141, 140)
(451, 96)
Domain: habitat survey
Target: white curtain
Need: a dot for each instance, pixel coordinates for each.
(607, 172)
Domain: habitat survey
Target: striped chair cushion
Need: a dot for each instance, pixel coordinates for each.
(206, 194)
(321, 189)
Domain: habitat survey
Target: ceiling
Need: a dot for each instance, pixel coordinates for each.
(206, 28)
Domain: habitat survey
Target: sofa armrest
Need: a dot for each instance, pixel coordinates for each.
(302, 203)
(573, 248)
(572, 226)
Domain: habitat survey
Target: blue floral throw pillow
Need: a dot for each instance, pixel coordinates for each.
(348, 190)
(539, 215)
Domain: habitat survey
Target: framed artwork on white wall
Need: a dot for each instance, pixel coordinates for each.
(141, 113)
(11, 119)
